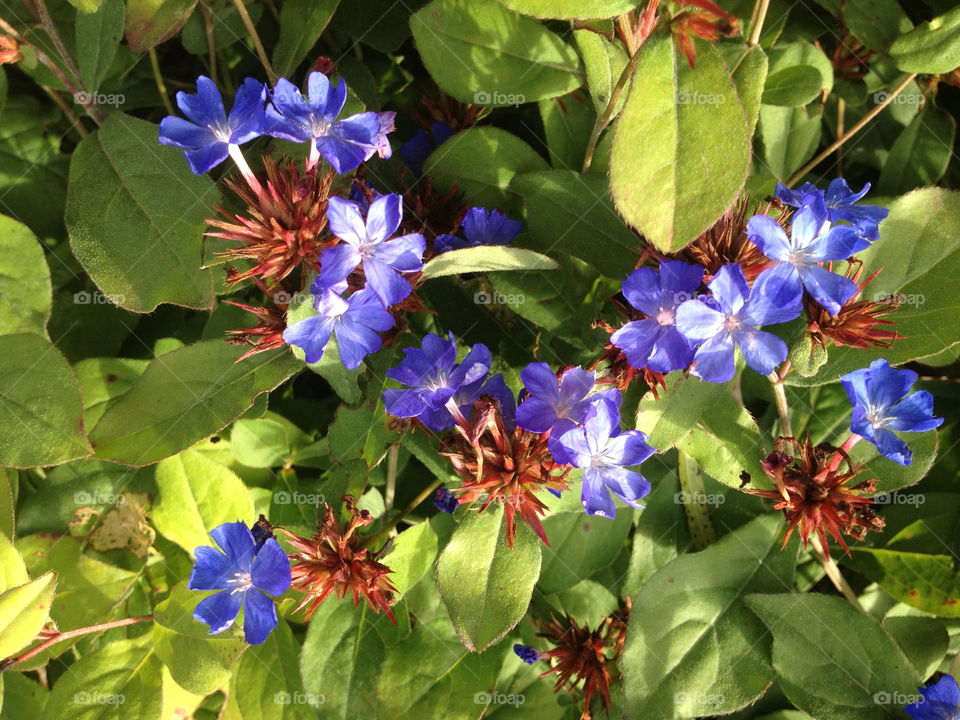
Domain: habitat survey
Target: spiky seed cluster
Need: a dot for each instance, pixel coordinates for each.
(580, 653)
(267, 334)
(429, 212)
(280, 230)
(814, 494)
(335, 561)
(497, 465)
(453, 113)
(859, 323)
(619, 372)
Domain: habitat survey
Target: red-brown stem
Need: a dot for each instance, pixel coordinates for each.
(844, 450)
(78, 632)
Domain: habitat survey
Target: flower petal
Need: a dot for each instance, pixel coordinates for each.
(259, 617)
(714, 360)
(763, 351)
(595, 496)
(207, 157)
(346, 222)
(729, 288)
(696, 320)
(336, 263)
(219, 610)
(311, 335)
(211, 570)
(642, 290)
(177, 132)
(389, 285)
(776, 297)
(271, 569)
(383, 217)
(827, 288)
(236, 540)
(766, 234)
(914, 414)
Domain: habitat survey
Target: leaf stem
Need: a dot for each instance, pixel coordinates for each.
(836, 144)
(832, 570)
(391, 488)
(756, 24)
(385, 531)
(783, 409)
(694, 502)
(211, 40)
(158, 78)
(65, 109)
(51, 29)
(604, 119)
(257, 44)
(68, 634)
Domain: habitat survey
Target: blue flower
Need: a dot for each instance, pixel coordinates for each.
(464, 398)
(208, 139)
(481, 227)
(417, 149)
(526, 653)
(799, 256)
(881, 405)
(445, 501)
(604, 452)
(355, 321)
(733, 317)
(940, 700)
(343, 143)
(433, 377)
(655, 342)
(550, 400)
(839, 200)
(369, 242)
(240, 572)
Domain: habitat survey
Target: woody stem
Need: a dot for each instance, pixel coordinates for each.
(783, 409)
(832, 570)
(385, 531)
(78, 632)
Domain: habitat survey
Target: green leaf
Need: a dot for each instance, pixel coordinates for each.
(604, 61)
(802, 53)
(98, 37)
(567, 123)
(413, 553)
(183, 397)
(41, 412)
(570, 9)
(196, 495)
(923, 640)
(675, 188)
(694, 627)
(482, 162)
(485, 258)
(749, 77)
(25, 292)
(792, 87)
(266, 682)
(259, 443)
(135, 214)
(889, 475)
(13, 571)
(919, 254)
(671, 418)
(199, 662)
(151, 22)
(103, 379)
(23, 612)
(302, 22)
(485, 585)
(832, 661)
(571, 214)
(22, 697)
(875, 23)
(579, 546)
(921, 153)
(481, 53)
(926, 582)
(9, 485)
(931, 48)
(790, 138)
(120, 680)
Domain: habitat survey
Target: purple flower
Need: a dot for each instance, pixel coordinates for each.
(799, 256)
(343, 143)
(433, 377)
(881, 405)
(445, 501)
(369, 242)
(466, 396)
(655, 342)
(526, 653)
(417, 149)
(604, 453)
(356, 322)
(240, 572)
(208, 138)
(482, 227)
(387, 125)
(839, 200)
(550, 399)
(732, 317)
(940, 700)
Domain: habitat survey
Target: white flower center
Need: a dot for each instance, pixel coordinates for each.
(240, 582)
(666, 316)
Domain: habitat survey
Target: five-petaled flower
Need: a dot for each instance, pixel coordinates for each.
(481, 227)
(342, 143)
(655, 342)
(355, 321)
(212, 134)
(940, 701)
(839, 199)
(605, 453)
(881, 405)
(244, 569)
(798, 257)
(369, 242)
(732, 317)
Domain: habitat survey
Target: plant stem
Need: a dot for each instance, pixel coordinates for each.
(48, 25)
(211, 40)
(385, 531)
(65, 109)
(79, 632)
(841, 122)
(836, 144)
(607, 115)
(390, 491)
(158, 78)
(783, 409)
(832, 570)
(244, 168)
(694, 502)
(756, 25)
(257, 44)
